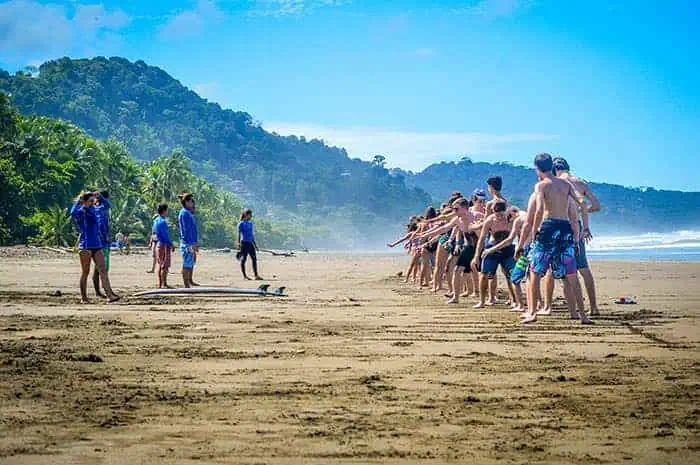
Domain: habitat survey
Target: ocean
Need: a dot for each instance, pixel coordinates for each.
(675, 246)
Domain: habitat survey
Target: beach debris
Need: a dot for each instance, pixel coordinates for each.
(626, 301)
(56, 293)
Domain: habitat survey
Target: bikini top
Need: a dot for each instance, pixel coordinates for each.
(500, 236)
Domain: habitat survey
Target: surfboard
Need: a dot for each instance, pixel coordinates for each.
(263, 290)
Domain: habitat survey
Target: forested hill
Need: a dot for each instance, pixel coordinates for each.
(625, 210)
(153, 113)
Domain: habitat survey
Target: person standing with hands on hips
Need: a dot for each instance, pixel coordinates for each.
(246, 243)
(189, 246)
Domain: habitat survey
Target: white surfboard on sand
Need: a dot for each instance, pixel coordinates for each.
(263, 290)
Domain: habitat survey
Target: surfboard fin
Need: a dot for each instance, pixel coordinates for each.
(264, 288)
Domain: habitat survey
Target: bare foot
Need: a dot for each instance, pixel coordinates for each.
(258, 278)
(466, 294)
(595, 312)
(195, 284)
(100, 295)
(247, 278)
(114, 298)
(529, 318)
(84, 301)
(545, 311)
(453, 300)
(574, 316)
(150, 272)
(586, 321)
(479, 305)
(490, 303)
(449, 295)
(516, 310)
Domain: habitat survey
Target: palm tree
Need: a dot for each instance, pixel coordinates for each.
(54, 226)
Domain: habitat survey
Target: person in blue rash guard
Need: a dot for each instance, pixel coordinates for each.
(164, 247)
(189, 247)
(84, 214)
(246, 243)
(102, 206)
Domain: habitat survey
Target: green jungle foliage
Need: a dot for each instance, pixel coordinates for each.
(289, 178)
(45, 163)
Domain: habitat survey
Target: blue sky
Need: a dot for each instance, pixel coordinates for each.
(611, 85)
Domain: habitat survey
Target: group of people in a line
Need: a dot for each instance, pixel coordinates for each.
(463, 245)
(91, 215)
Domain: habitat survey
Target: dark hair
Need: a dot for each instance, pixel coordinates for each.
(462, 202)
(430, 213)
(499, 207)
(245, 212)
(185, 197)
(496, 182)
(104, 194)
(560, 164)
(412, 226)
(163, 207)
(543, 162)
(85, 196)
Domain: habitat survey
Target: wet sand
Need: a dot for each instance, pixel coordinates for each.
(353, 367)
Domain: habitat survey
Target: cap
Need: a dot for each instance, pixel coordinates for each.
(479, 194)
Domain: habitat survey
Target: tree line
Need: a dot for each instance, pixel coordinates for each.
(45, 163)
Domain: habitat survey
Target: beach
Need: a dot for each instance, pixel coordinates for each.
(353, 366)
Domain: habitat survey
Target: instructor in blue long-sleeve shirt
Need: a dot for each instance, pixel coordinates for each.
(102, 207)
(189, 246)
(90, 243)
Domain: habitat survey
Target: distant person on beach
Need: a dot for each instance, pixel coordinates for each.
(562, 170)
(152, 246)
(246, 243)
(553, 247)
(102, 207)
(123, 243)
(164, 246)
(189, 237)
(90, 244)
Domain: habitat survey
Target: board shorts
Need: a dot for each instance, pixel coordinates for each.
(504, 257)
(553, 248)
(187, 257)
(466, 257)
(163, 256)
(519, 273)
(581, 258)
(107, 252)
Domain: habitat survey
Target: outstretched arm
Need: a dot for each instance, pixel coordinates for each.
(438, 231)
(399, 241)
(482, 238)
(517, 225)
(535, 210)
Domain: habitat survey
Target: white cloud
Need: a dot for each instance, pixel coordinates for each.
(208, 90)
(425, 52)
(291, 7)
(411, 150)
(494, 8)
(34, 31)
(192, 22)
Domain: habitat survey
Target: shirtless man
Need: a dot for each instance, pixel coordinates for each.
(561, 170)
(554, 242)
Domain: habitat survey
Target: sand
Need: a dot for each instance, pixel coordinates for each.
(353, 367)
